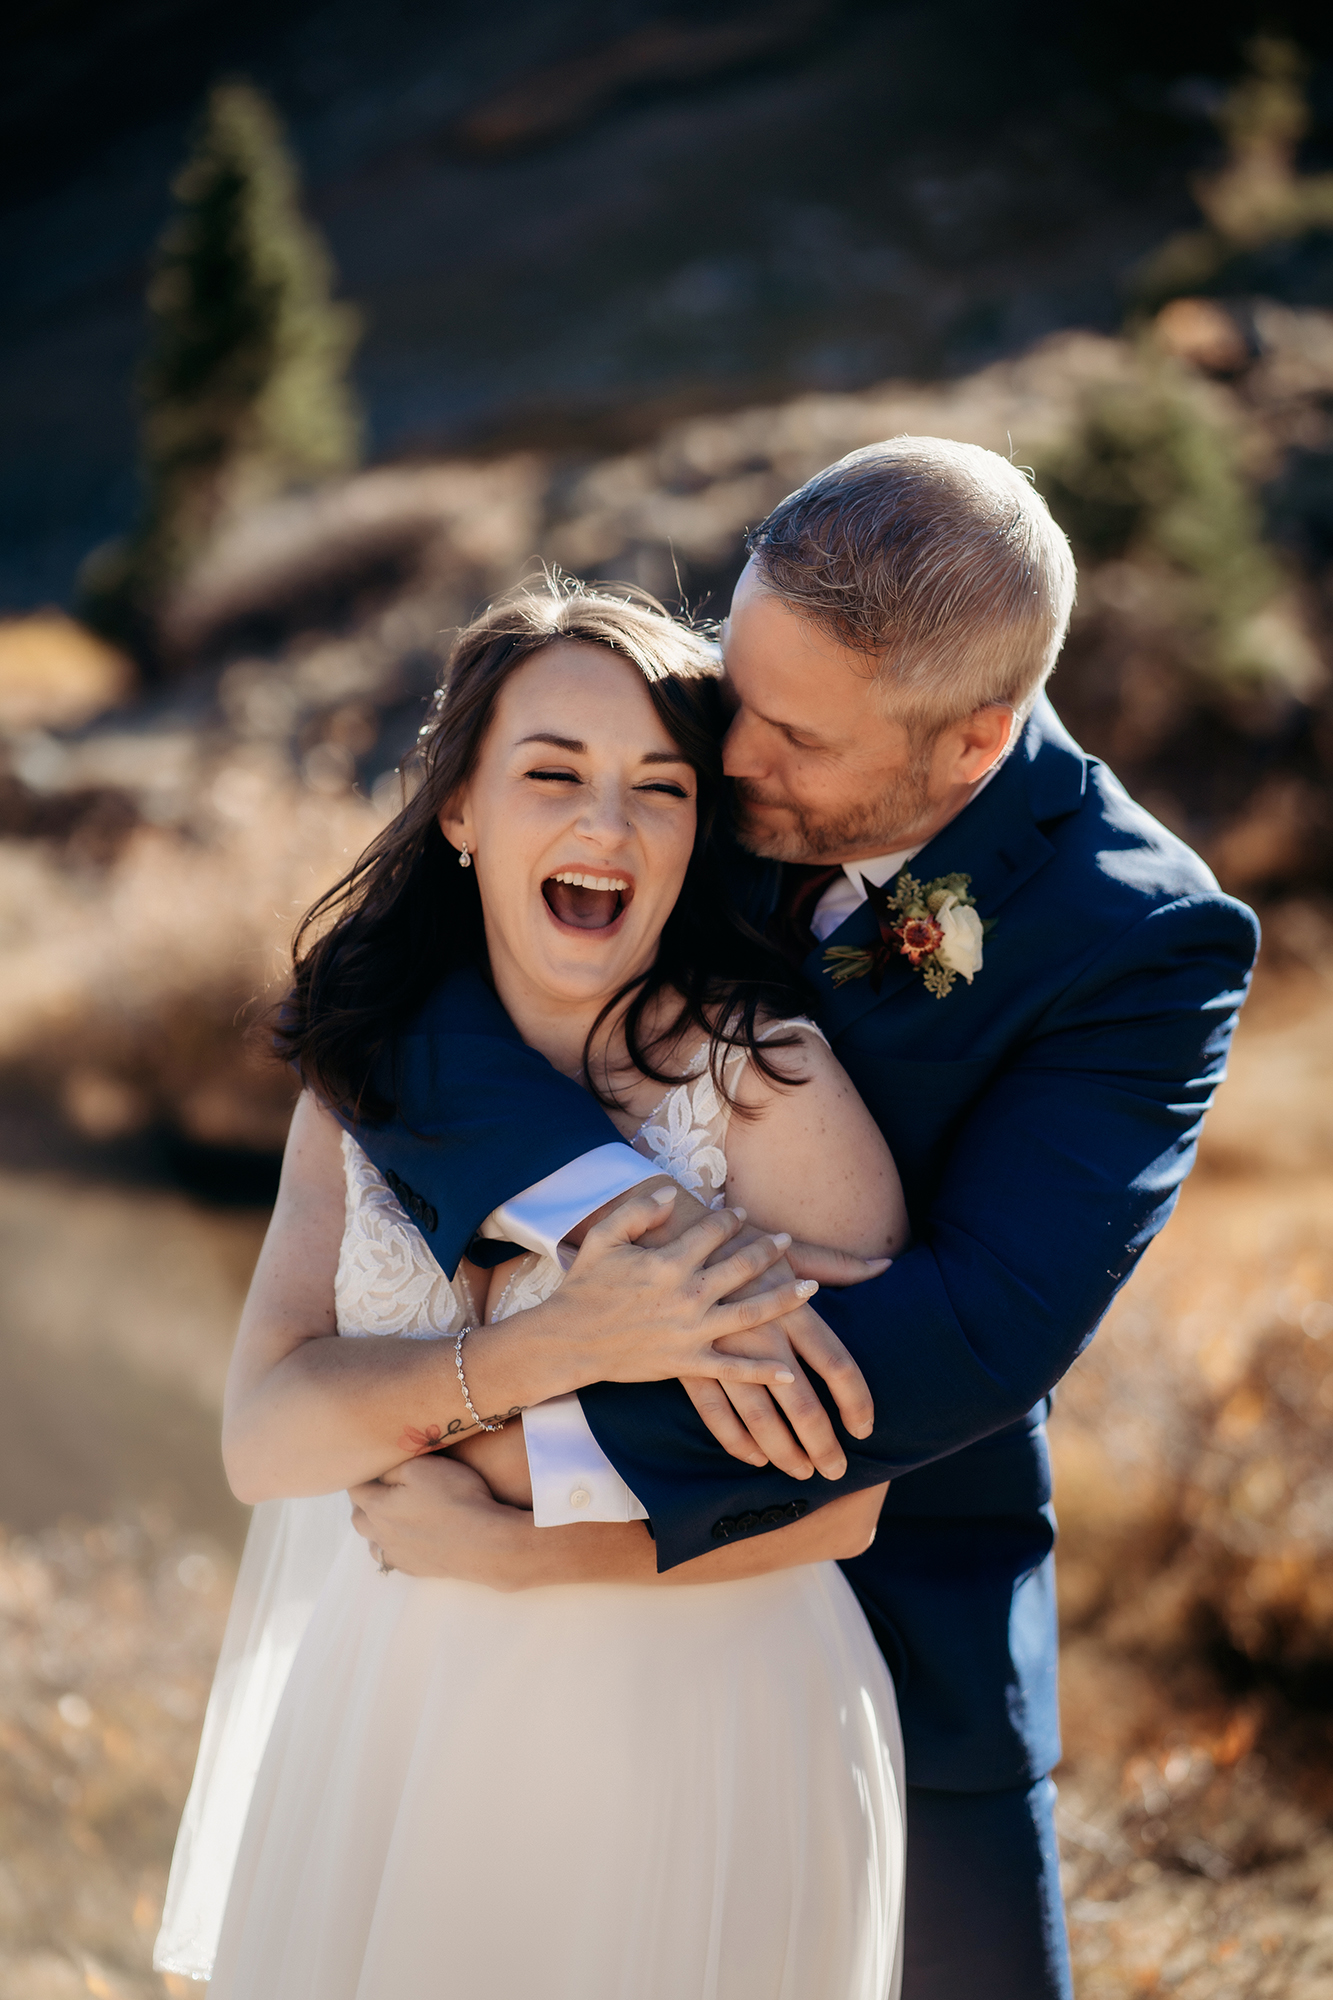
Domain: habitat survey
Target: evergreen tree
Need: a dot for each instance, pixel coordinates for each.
(1259, 199)
(244, 389)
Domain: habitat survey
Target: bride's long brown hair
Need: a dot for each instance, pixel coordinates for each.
(375, 945)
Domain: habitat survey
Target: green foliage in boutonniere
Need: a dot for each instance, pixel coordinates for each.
(933, 925)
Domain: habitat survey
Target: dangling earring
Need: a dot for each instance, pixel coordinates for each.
(464, 858)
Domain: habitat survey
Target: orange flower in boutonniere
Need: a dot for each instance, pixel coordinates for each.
(933, 925)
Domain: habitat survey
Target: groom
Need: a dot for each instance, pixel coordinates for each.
(1040, 1070)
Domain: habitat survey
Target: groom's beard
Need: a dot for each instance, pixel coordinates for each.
(880, 825)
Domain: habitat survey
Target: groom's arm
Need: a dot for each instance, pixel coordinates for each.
(485, 1117)
(1066, 1168)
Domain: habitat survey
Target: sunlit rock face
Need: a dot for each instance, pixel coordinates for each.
(563, 222)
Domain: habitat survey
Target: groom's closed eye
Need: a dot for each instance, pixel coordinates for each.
(800, 739)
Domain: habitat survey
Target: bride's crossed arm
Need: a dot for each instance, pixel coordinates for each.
(306, 1412)
(808, 1160)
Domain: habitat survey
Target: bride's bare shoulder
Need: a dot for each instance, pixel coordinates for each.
(806, 1155)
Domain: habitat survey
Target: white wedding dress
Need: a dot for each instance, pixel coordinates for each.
(412, 1787)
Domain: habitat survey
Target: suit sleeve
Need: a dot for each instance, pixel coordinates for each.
(1065, 1169)
(489, 1117)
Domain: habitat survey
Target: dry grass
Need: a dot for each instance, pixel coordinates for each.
(1192, 1447)
(109, 1634)
(125, 986)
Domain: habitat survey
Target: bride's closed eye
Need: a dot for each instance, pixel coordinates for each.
(668, 787)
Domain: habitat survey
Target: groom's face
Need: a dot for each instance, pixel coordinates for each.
(820, 772)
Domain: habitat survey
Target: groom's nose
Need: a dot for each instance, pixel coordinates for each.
(741, 747)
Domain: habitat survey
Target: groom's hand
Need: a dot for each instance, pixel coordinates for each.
(752, 1423)
(759, 1422)
(749, 1422)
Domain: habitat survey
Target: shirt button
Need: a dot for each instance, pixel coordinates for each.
(580, 1497)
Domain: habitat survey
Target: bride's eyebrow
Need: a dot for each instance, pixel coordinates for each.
(576, 748)
(570, 743)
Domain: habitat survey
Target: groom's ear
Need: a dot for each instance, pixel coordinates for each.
(980, 740)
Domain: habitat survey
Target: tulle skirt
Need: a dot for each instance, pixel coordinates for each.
(589, 1792)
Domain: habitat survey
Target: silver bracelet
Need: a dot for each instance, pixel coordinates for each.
(459, 1338)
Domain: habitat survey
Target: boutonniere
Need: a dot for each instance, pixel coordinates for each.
(933, 925)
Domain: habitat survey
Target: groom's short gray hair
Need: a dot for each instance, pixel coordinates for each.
(939, 561)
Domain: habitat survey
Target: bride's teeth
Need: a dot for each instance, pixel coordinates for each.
(590, 881)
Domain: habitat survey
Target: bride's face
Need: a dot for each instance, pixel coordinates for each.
(580, 818)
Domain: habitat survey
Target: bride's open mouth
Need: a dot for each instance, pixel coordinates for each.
(586, 902)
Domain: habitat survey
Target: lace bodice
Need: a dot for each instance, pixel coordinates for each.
(388, 1280)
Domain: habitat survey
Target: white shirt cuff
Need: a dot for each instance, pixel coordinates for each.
(542, 1216)
(572, 1478)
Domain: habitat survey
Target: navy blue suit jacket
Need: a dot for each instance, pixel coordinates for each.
(1042, 1120)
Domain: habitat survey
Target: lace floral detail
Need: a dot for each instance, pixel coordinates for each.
(685, 1135)
(387, 1279)
(681, 1136)
(527, 1283)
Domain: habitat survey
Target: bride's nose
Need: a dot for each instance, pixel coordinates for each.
(604, 819)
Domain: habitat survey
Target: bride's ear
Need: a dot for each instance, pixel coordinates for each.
(456, 824)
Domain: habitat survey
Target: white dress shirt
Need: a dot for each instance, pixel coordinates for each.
(572, 1477)
(841, 898)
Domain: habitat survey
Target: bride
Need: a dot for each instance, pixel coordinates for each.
(587, 1791)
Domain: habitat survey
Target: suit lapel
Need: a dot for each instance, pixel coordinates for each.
(841, 1005)
(996, 840)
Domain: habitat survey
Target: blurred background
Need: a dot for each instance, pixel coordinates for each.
(323, 322)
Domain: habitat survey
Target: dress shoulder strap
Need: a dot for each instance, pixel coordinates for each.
(771, 1029)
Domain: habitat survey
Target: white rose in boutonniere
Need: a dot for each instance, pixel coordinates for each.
(960, 948)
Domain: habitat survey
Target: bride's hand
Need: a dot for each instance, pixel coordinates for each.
(434, 1517)
(833, 1267)
(635, 1313)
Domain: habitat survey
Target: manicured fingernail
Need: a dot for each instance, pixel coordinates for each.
(864, 1431)
(759, 1461)
(740, 1214)
(806, 1287)
(878, 1264)
(834, 1469)
(781, 1238)
(783, 1375)
(663, 1195)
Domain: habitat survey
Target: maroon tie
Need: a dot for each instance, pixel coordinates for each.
(802, 887)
